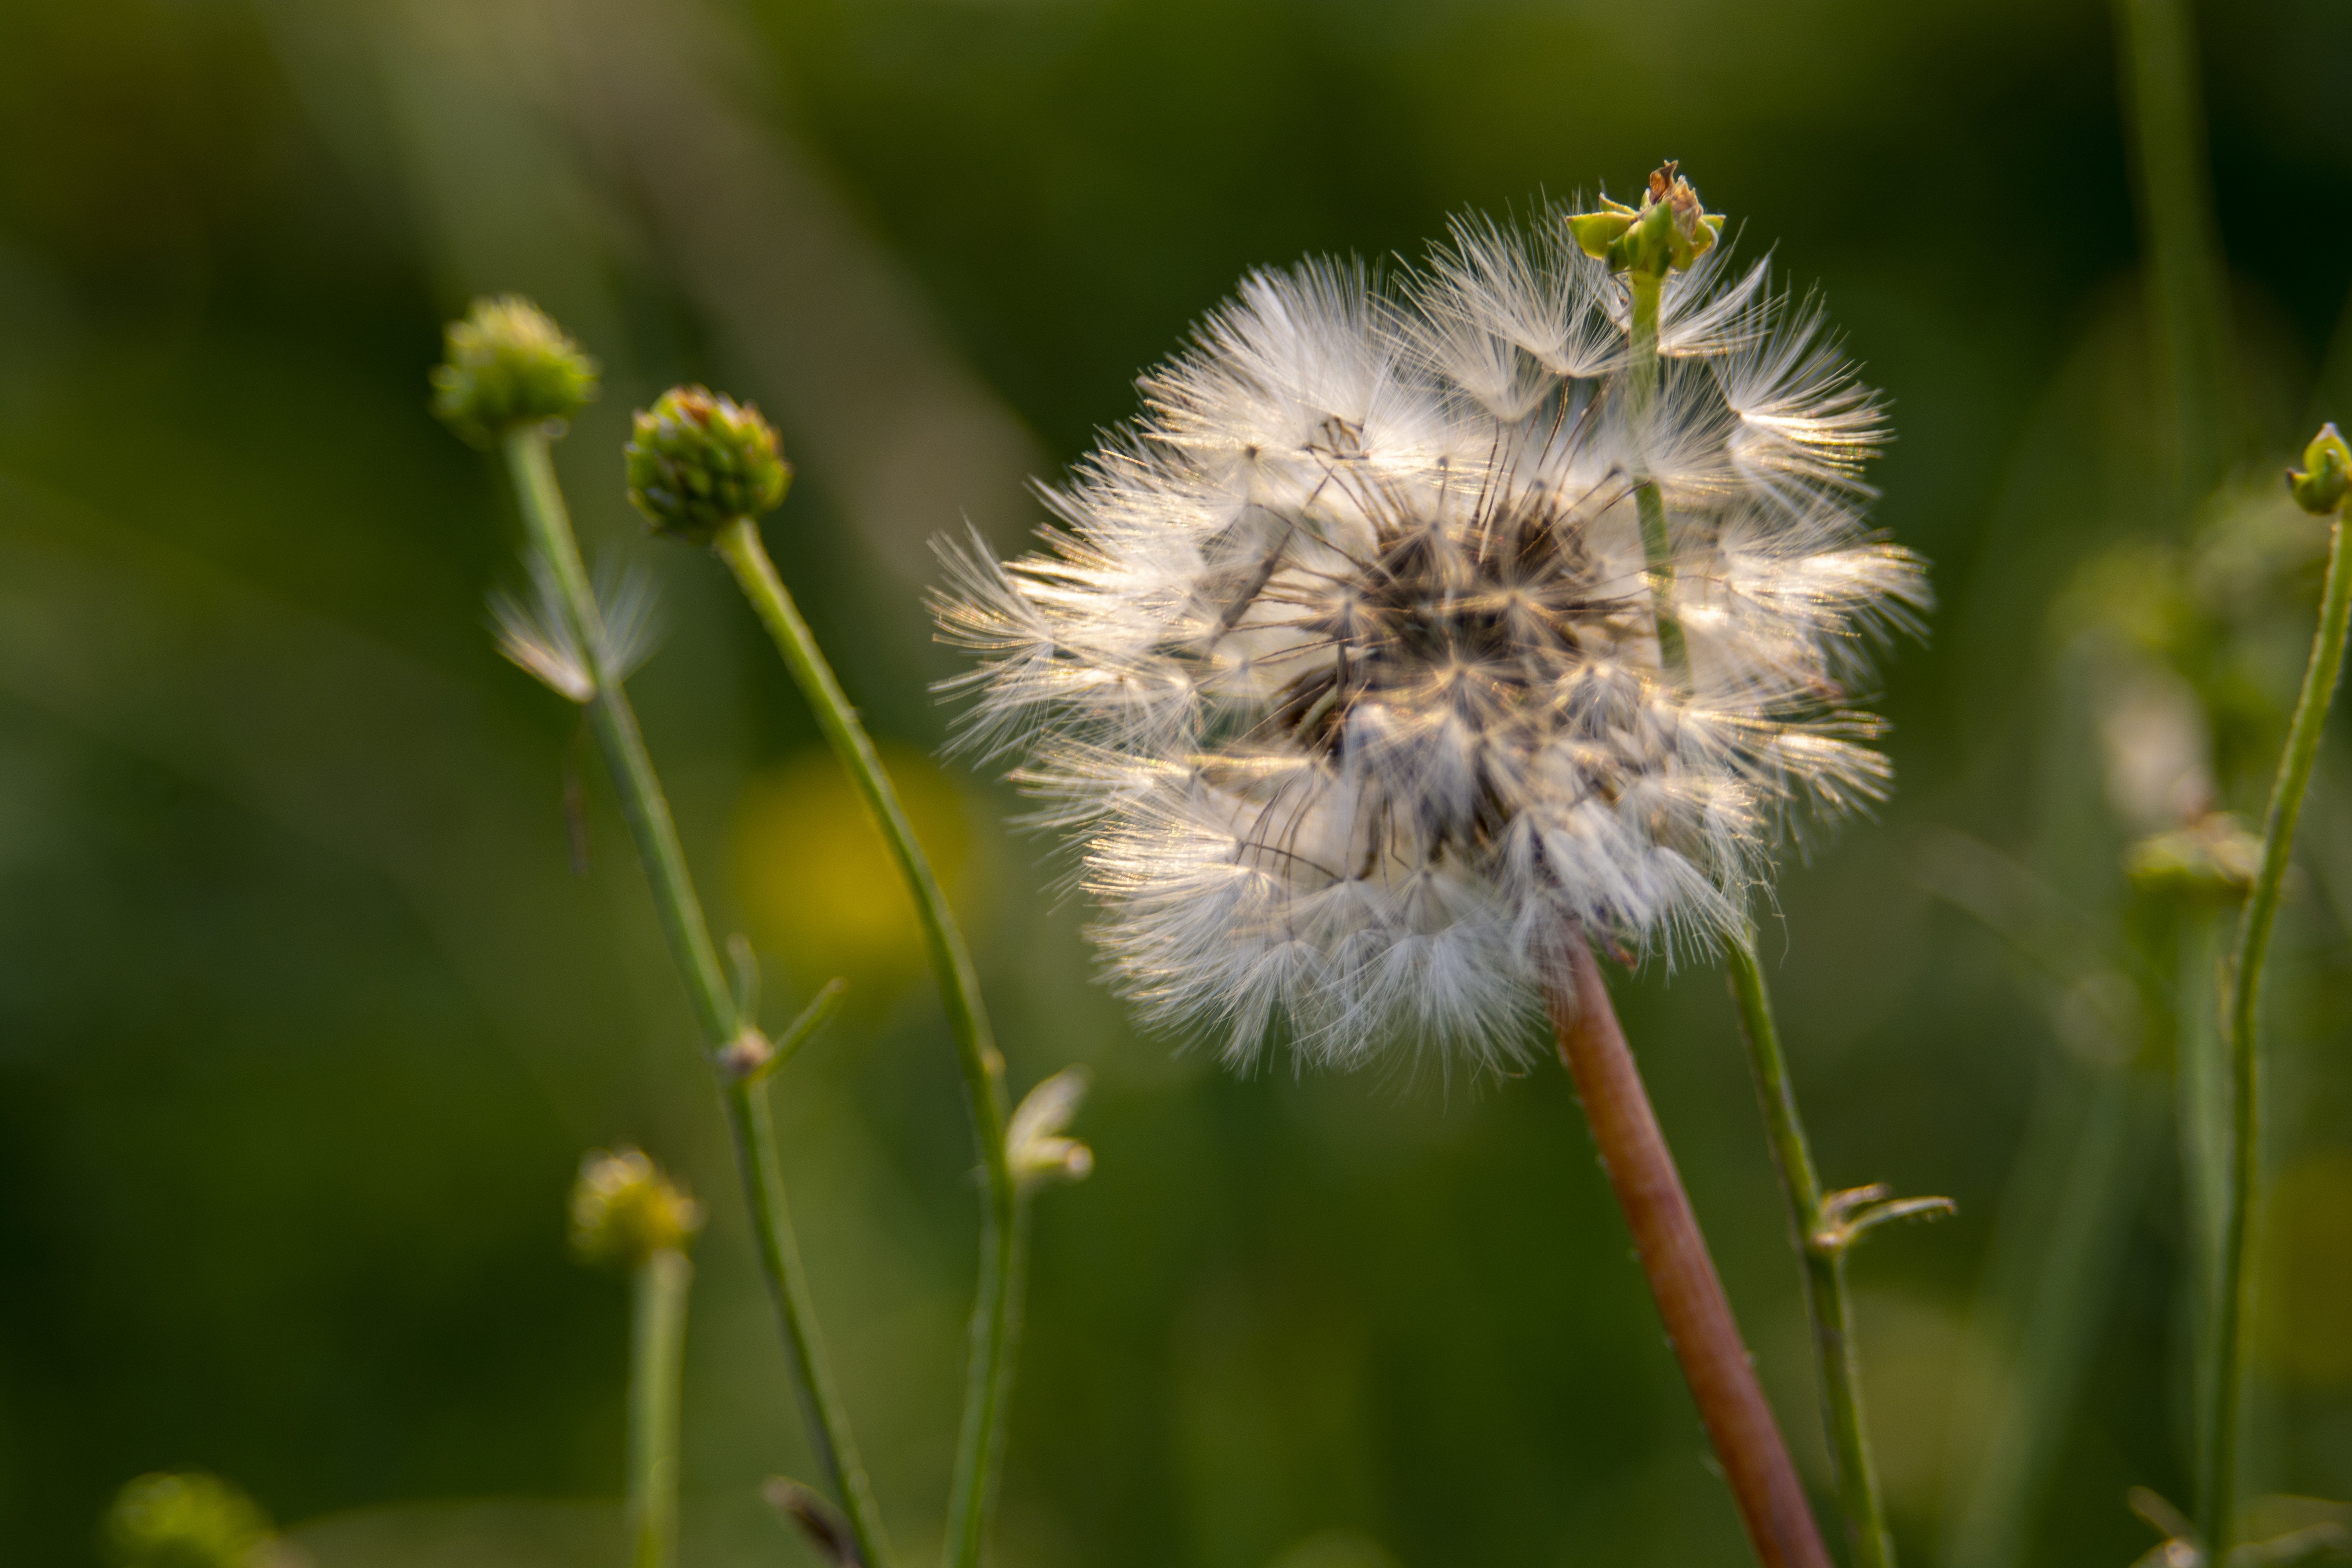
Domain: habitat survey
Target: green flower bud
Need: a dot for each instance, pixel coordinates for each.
(191, 1521)
(624, 1210)
(698, 461)
(1032, 1139)
(2319, 486)
(2213, 859)
(509, 366)
(1668, 232)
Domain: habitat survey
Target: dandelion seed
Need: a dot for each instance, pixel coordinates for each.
(1343, 663)
(536, 636)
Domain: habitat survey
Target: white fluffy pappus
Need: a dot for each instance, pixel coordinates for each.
(1343, 666)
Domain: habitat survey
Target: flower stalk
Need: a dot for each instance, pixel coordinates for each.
(656, 1360)
(733, 1043)
(995, 1323)
(1682, 1276)
(1827, 1225)
(2188, 303)
(2320, 488)
(1656, 543)
(1668, 232)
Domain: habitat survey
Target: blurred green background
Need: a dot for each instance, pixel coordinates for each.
(305, 1020)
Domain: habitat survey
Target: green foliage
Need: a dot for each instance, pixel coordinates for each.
(188, 1519)
(697, 461)
(508, 365)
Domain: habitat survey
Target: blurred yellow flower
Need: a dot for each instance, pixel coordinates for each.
(813, 880)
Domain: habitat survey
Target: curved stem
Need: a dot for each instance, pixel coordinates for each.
(2220, 1510)
(656, 1351)
(1836, 1354)
(647, 810)
(996, 1322)
(1682, 1280)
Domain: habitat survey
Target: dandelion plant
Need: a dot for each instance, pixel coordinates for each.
(1428, 630)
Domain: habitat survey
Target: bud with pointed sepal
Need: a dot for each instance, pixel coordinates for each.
(1668, 232)
(1033, 1140)
(2319, 486)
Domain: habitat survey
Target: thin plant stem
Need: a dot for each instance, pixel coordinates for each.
(1683, 1280)
(2201, 1097)
(779, 1260)
(656, 1352)
(2088, 1177)
(2188, 307)
(647, 811)
(996, 1312)
(2233, 1297)
(1837, 1356)
(1657, 546)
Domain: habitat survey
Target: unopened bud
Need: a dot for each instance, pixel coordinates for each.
(820, 1523)
(1667, 232)
(510, 366)
(624, 1210)
(2319, 486)
(187, 1520)
(2213, 858)
(698, 461)
(1033, 1140)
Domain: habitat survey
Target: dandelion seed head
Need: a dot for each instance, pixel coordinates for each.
(535, 634)
(1343, 664)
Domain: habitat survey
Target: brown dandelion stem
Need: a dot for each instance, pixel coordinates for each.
(1682, 1276)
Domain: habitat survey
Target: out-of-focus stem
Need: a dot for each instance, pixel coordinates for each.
(995, 1325)
(2064, 1283)
(826, 1416)
(1682, 1276)
(1642, 401)
(2188, 307)
(647, 811)
(1836, 1354)
(656, 1352)
(2217, 1522)
(2201, 1097)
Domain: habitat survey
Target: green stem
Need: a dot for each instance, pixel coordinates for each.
(2230, 1316)
(2201, 1097)
(657, 1349)
(615, 723)
(1836, 1354)
(995, 1323)
(2059, 1280)
(2188, 308)
(647, 811)
(1641, 401)
(779, 1260)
